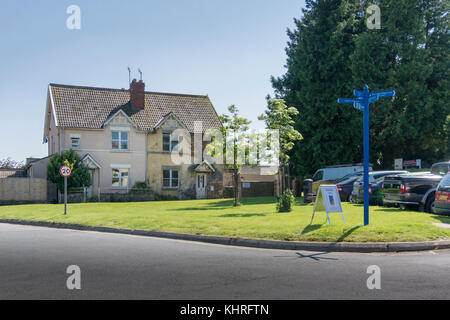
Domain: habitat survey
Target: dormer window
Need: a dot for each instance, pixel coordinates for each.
(119, 140)
(169, 144)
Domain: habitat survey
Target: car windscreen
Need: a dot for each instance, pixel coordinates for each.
(445, 182)
(348, 178)
(441, 169)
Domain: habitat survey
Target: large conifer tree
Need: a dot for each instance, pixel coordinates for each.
(331, 52)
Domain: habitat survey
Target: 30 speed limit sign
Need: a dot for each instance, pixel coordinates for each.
(65, 171)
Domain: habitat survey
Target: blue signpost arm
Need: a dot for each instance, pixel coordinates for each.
(362, 102)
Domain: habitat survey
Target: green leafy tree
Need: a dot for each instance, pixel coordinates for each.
(279, 116)
(80, 174)
(318, 72)
(235, 133)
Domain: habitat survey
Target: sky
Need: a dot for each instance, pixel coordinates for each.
(225, 49)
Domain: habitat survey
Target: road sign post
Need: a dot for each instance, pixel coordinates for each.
(362, 103)
(66, 172)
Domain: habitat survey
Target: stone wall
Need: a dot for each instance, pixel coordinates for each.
(23, 190)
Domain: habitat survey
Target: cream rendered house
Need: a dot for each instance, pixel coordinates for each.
(125, 137)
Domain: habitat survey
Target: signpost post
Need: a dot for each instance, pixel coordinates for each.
(65, 171)
(362, 102)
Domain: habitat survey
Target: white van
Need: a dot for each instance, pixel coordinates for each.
(329, 174)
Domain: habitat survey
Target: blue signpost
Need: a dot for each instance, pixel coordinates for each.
(361, 102)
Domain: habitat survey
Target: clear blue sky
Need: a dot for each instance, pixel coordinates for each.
(226, 49)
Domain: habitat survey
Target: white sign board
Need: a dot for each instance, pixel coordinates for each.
(328, 200)
(398, 164)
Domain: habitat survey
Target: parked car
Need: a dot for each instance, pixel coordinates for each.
(345, 185)
(416, 190)
(375, 182)
(330, 174)
(441, 203)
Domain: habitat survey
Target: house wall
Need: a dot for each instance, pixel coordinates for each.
(53, 139)
(97, 143)
(38, 168)
(158, 160)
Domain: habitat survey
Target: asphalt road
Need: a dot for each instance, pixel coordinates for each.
(33, 263)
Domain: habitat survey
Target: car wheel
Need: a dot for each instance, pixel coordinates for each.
(351, 199)
(429, 204)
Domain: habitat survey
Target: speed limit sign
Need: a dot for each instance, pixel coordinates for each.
(65, 171)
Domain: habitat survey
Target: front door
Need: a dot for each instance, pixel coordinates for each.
(89, 190)
(201, 186)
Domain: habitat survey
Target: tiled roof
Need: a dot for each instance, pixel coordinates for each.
(12, 173)
(89, 107)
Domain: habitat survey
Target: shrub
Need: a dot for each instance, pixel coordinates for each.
(141, 188)
(286, 201)
(80, 174)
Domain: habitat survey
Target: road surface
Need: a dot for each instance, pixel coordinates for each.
(34, 261)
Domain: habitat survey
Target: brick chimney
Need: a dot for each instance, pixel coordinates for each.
(137, 94)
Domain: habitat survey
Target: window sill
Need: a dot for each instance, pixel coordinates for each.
(120, 151)
(170, 188)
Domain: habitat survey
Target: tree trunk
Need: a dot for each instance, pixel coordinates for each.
(236, 187)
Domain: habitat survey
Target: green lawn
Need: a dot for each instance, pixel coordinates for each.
(256, 218)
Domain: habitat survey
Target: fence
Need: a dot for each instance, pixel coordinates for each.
(80, 195)
(23, 190)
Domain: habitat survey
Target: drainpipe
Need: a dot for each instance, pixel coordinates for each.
(62, 141)
(146, 158)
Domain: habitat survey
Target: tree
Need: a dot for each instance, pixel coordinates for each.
(318, 72)
(80, 174)
(279, 116)
(9, 163)
(233, 148)
(409, 54)
(331, 52)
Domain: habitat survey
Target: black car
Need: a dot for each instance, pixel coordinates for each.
(441, 203)
(376, 179)
(345, 184)
(415, 190)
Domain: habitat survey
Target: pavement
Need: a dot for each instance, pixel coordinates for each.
(34, 260)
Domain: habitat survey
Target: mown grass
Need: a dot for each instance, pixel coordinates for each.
(256, 218)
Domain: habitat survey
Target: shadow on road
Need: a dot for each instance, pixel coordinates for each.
(314, 256)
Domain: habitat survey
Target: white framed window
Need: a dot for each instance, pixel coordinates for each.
(119, 140)
(169, 144)
(120, 177)
(75, 142)
(170, 179)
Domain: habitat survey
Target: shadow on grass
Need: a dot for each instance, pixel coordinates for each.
(311, 228)
(382, 209)
(241, 215)
(442, 218)
(226, 204)
(346, 234)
